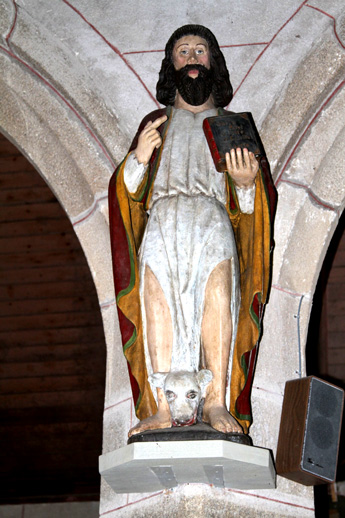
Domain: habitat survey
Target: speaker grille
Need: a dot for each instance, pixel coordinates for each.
(320, 447)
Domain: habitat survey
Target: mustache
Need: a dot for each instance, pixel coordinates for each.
(183, 72)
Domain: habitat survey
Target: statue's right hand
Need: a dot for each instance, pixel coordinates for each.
(149, 139)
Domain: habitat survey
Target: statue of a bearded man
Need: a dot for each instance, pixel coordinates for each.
(191, 246)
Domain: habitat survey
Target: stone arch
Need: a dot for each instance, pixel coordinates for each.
(52, 137)
(304, 133)
(66, 154)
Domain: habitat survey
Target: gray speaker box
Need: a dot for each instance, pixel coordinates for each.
(310, 431)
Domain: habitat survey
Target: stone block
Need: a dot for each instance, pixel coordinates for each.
(329, 184)
(264, 432)
(319, 162)
(278, 358)
(306, 247)
(294, 105)
(117, 420)
(280, 92)
(41, 40)
(290, 200)
(205, 501)
(7, 13)
(52, 138)
(111, 501)
(93, 233)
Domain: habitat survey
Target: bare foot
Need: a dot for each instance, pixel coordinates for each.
(160, 420)
(220, 419)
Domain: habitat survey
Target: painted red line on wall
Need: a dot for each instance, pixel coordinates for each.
(244, 45)
(229, 490)
(221, 46)
(106, 305)
(268, 45)
(117, 404)
(332, 18)
(271, 499)
(335, 91)
(13, 23)
(116, 50)
(142, 51)
(91, 211)
(261, 389)
(289, 292)
(10, 53)
(311, 194)
(131, 503)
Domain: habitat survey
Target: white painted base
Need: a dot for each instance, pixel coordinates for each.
(145, 467)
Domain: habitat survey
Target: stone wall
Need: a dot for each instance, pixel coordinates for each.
(77, 77)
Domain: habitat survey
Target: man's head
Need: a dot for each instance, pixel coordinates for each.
(193, 77)
(194, 45)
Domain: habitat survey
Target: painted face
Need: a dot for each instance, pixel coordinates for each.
(191, 50)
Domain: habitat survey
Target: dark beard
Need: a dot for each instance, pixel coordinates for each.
(194, 91)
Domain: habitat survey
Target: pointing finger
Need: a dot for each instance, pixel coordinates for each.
(147, 124)
(158, 122)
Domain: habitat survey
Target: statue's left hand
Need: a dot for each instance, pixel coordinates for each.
(242, 167)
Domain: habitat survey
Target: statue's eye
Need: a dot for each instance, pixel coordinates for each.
(192, 395)
(170, 395)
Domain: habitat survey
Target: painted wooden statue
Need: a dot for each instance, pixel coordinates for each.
(191, 247)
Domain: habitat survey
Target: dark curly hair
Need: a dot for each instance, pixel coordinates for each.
(166, 86)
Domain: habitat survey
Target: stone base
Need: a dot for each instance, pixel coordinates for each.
(145, 467)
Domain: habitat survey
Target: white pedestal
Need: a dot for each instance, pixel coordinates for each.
(144, 467)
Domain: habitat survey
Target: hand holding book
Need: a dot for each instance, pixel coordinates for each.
(242, 166)
(234, 143)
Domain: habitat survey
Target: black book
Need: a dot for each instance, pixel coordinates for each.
(226, 132)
